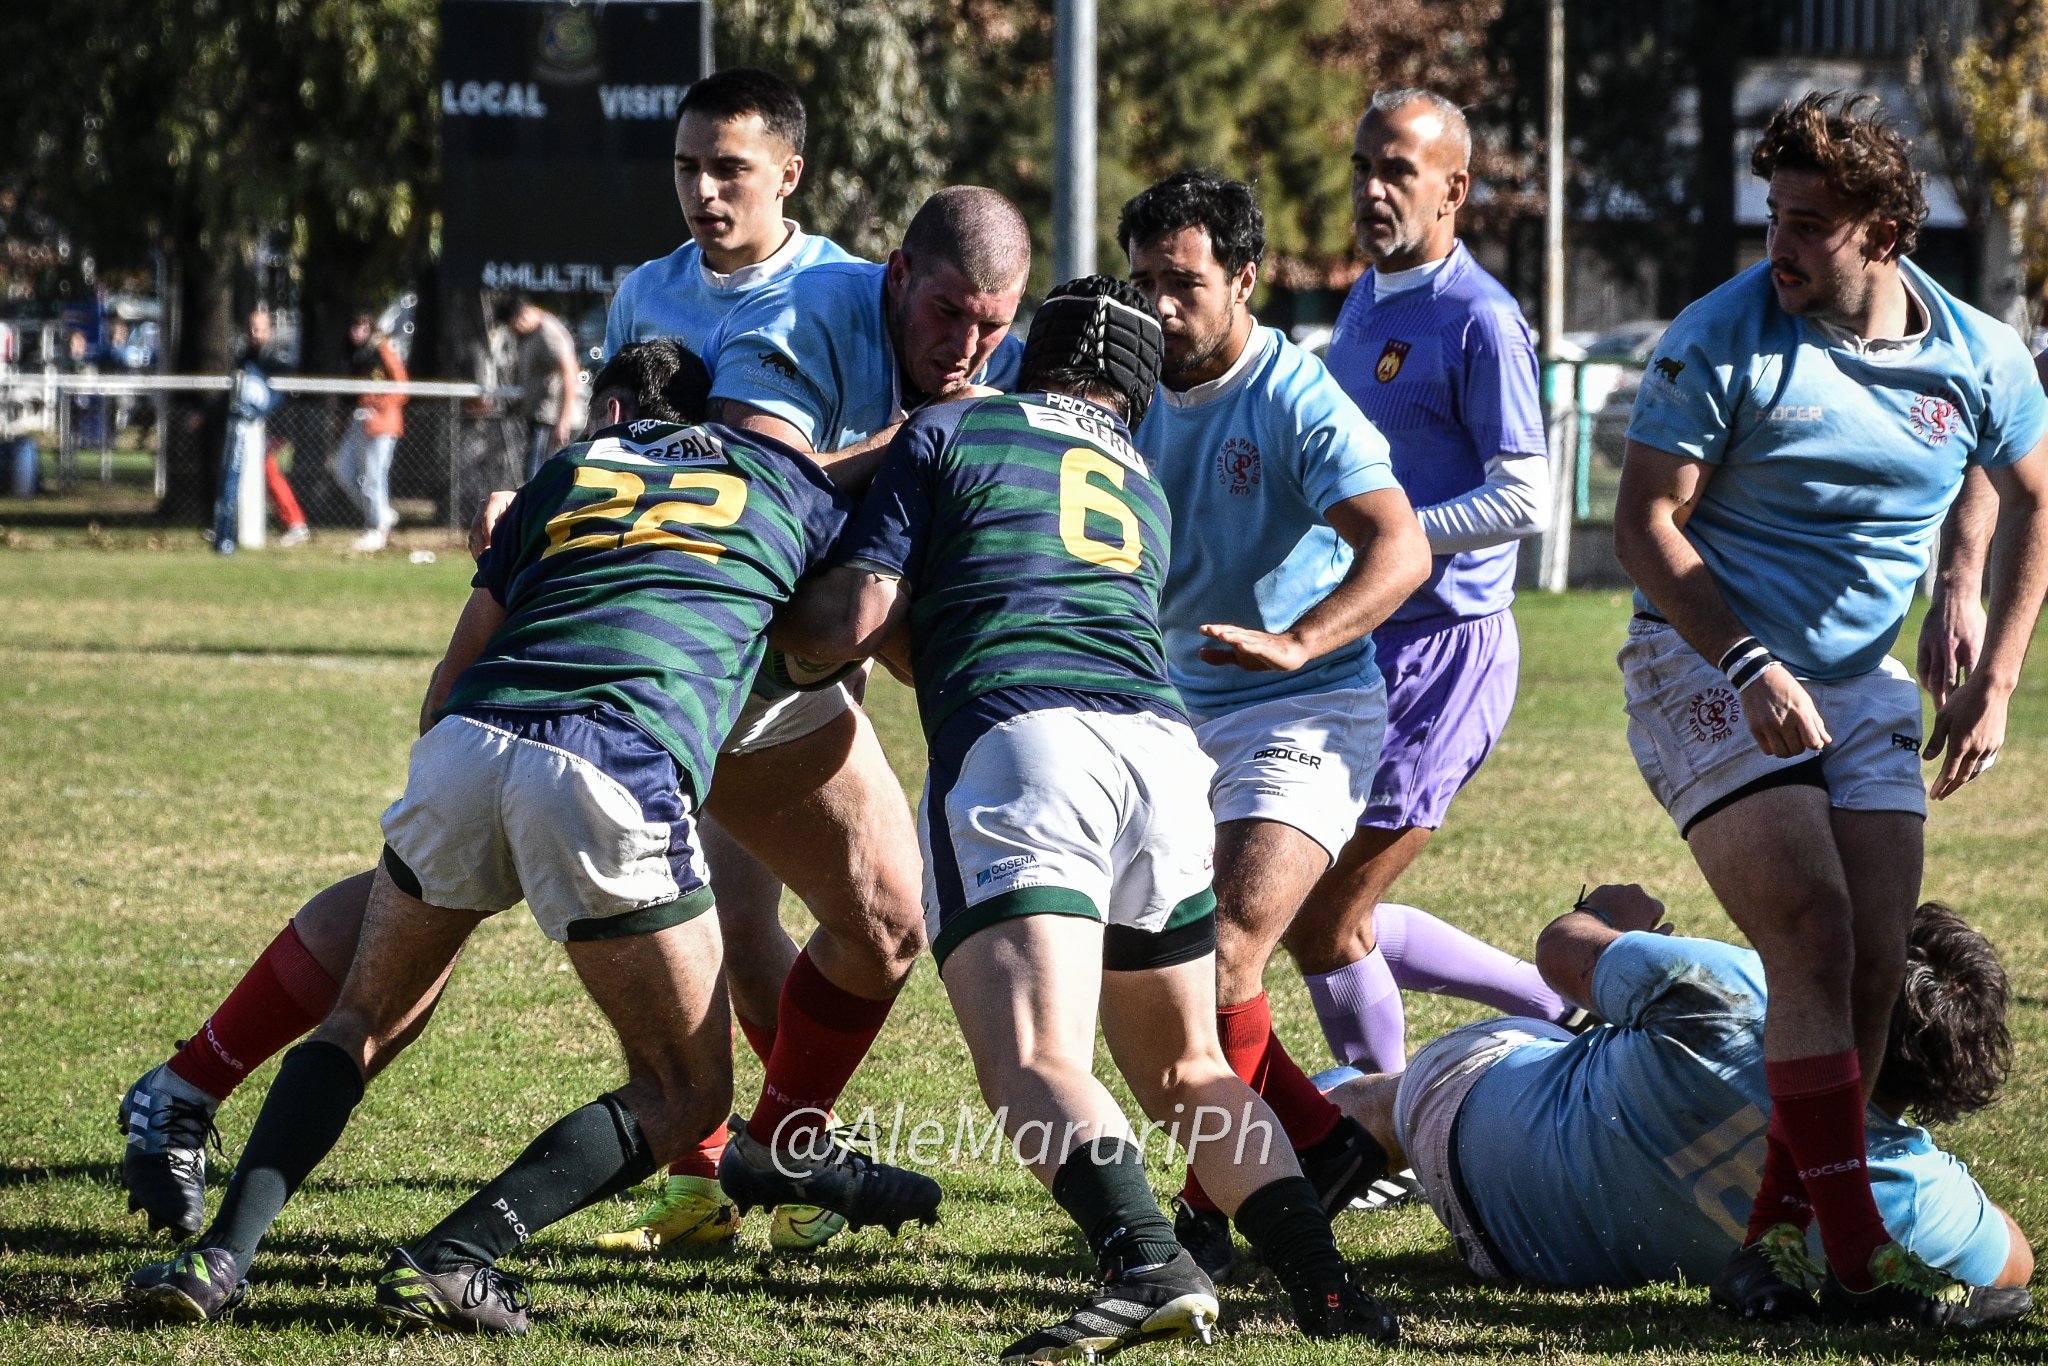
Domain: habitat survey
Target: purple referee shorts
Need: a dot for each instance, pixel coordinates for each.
(1450, 687)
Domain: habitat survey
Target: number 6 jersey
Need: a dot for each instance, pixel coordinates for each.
(1033, 539)
(639, 570)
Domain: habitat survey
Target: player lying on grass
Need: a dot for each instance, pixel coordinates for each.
(569, 737)
(1013, 549)
(1628, 1155)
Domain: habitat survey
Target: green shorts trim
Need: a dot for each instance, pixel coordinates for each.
(646, 920)
(1194, 908)
(1011, 906)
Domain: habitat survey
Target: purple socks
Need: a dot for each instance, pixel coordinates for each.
(1426, 954)
(1359, 1004)
(1360, 1008)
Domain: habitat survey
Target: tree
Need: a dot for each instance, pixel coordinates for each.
(1983, 70)
(872, 75)
(197, 126)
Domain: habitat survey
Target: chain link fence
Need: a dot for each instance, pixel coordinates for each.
(160, 439)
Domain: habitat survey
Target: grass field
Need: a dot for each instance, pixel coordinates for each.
(190, 747)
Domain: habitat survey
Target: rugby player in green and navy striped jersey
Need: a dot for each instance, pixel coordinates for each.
(605, 650)
(1012, 549)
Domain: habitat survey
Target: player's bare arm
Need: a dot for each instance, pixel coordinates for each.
(851, 467)
(481, 616)
(847, 612)
(1658, 492)
(1971, 725)
(1569, 948)
(1952, 633)
(1389, 560)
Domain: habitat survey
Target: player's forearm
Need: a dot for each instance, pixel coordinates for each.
(1509, 506)
(1676, 580)
(1966, 536)
(1384, 571)
(853, 467)
(2019, 580)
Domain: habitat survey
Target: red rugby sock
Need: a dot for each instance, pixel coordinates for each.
(822, 1032)
(1255, 1054)
(702, 1160)
(1780, 1198)
(1821, 1099)
(760, 1037)
(284, 993)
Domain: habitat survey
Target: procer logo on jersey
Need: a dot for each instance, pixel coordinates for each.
(1292, 756)
(1003, 868)
(1080, 420)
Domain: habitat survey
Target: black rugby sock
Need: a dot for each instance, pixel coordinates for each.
(1284, 1222)
(303, 1116)
(1102, 1185)
(586, 1156)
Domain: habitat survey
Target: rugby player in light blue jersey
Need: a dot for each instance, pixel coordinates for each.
(1438, 356)
(1293, 541)
(739, 155)
(833, 360)
(1514, 1123)
(1795, 444)
(842, 841)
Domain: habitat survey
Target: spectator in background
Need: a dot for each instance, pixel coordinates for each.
(546, 375)
(250, 400)
(88, 411)
(363, 460)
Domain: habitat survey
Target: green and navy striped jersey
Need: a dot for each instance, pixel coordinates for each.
(638, 571)
(1033, 540)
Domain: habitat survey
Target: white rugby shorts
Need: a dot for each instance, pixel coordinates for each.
(1307, 760)
(1068, 812)
(767, 722)
(584, 821)
(1686, 728)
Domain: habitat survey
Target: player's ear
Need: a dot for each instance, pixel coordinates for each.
(899, 273)
(1457, 187)
(792, 173)
(1881, 239)
(1246, 281)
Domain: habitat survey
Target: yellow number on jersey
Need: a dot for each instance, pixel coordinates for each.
(1079, 497)
(728, 500)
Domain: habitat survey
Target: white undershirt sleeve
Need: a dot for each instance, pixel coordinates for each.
(1513, 503)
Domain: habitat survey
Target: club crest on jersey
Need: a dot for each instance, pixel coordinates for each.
(1933, 419)
(1713, 715)
(1391, 357)
(1237, 466)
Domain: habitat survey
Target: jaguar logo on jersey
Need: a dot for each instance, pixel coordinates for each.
(1670, 369)
(1391, 357)
(1933, 419)
(1713, 715)
(1237, 466)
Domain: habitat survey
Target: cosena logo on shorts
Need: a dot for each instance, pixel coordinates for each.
(1934, 419)
(1003, 868)
(1292, 756)
(1237, 466)
(1712, 716)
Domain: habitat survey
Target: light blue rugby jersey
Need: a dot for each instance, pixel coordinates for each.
(678, 296)
(1250, 461)
(1836, 468)
(814, 350)
(1447, 372)
(1630, 1154)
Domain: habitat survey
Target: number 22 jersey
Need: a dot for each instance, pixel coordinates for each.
(638, 571)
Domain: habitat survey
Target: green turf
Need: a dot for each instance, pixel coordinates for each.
(192, 746)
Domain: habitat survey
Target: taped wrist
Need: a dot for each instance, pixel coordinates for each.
(1745, 662)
